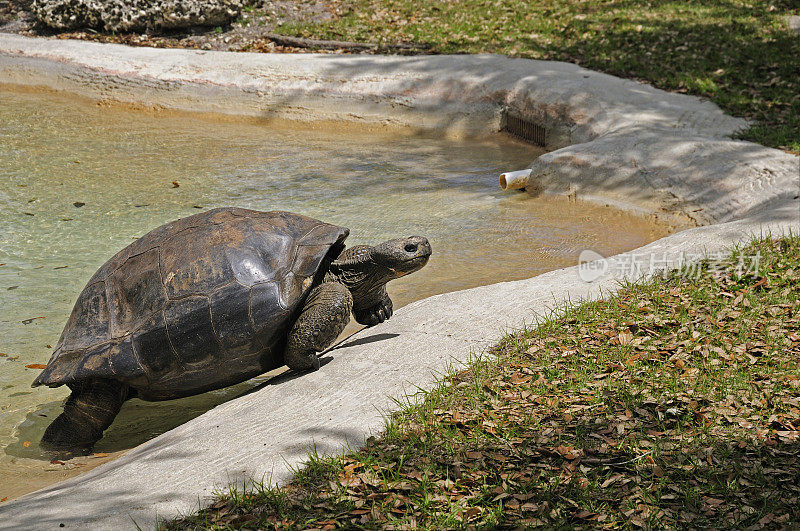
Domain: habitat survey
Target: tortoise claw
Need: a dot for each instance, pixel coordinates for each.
(377, 314)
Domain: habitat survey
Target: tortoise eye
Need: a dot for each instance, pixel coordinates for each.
(411, 248)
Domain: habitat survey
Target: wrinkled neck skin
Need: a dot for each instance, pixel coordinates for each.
(365, 279)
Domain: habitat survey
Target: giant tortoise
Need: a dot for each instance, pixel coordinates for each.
(211, 300)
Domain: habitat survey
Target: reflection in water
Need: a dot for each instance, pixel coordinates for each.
(82, 181)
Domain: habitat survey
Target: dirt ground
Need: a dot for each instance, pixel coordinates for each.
(245, 34)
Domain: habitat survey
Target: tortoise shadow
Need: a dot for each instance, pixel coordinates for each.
(325, 358)
(283, 377)
(366, 340)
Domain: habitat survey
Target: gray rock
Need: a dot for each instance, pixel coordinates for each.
(794, 23)
(134, 15)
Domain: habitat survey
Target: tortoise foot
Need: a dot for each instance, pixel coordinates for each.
(89, 410)
(375, 314)
(65, 437)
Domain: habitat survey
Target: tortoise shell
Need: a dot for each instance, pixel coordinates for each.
(197, 304)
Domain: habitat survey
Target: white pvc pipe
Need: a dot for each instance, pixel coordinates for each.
(514, 180)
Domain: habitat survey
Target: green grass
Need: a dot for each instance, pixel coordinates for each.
(739, 54)
(674, 403)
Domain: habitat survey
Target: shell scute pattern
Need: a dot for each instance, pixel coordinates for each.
(152, 345)
(125, 364)
(194, 262)
(260, 258)
(135, 292)
(88, 323)
(190, 329)
(113, 263)
(266, 308)
(97, 360)
(230, 315)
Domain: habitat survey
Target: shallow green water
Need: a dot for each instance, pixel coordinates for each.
(81, 181)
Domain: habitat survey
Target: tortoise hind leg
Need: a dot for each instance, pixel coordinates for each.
(89, 410)
(324, 316)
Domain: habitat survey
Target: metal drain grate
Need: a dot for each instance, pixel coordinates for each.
(525, 130)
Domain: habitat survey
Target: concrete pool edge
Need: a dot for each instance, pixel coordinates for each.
(607, 146)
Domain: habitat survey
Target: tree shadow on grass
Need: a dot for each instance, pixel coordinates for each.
(584, 473)
(720, 481)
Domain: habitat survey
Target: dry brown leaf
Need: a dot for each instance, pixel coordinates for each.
(349, 481)
(519, 378)
(610, 480)
(472, 512)
(625, 338)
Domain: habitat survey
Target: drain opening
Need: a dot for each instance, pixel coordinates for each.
(525, 130)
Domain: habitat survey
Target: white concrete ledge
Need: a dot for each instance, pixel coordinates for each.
(612, 138)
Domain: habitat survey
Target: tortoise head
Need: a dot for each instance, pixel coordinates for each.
(365, 270)
(402, 256)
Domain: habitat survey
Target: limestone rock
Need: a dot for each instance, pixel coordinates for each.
(794, 24)
(134, 15)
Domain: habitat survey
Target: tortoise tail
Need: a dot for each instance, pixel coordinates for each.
(89, 410)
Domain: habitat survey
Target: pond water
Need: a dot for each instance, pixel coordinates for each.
(80, 181)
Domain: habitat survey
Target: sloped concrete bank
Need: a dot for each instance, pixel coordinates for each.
(611, 138)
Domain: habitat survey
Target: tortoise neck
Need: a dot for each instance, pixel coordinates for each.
(359, 273)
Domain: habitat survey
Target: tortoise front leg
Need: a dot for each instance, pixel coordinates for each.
(324, 316)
